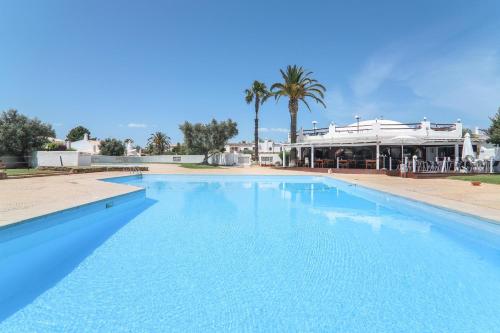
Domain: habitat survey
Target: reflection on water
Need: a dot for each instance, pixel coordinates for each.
(396, 222)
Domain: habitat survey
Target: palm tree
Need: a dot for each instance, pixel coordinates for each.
(297, 86)
(158, 142)
(257, 93)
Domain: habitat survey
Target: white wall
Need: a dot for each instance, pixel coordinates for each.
(270, 159)
(221, 159)
(102, 159)
(54, 158)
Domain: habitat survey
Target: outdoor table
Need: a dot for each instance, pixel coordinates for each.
(329, 163)
(370, 164)
(318, 163)
(344, 163)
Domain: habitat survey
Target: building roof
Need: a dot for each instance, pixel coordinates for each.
(379, 121)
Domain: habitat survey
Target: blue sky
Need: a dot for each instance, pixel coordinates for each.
(129, 68)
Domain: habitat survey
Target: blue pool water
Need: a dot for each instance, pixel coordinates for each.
(210, 253)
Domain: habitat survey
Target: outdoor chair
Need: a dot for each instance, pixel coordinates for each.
(422, 166)
(479, 166)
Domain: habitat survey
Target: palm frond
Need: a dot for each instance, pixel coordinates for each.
(307, 104)
(318, 91)
(316, 98)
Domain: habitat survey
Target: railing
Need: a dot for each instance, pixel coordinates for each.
(385, 127)
(314, 132)
(353, 128)
(443, 127)
(133, 169)
(413, 126)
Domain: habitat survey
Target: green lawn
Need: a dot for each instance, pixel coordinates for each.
(198, 166)
(490, 179)
(26, 171)
(15, 172)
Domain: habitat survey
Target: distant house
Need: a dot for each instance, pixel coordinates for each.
(86, 145)
(238, 147)
(55, 140)
(269, 146)
(266, 146)
(131, 151)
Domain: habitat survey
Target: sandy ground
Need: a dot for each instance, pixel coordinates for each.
(21, 199)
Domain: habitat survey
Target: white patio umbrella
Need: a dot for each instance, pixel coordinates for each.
(467, 150)
(405, 139)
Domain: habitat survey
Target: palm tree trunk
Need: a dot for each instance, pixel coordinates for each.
(293, 108)
(256, 130)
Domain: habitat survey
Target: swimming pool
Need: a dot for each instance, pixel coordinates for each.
(245, 253)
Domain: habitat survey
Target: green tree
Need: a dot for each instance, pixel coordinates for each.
(112, 147)
(494, 129)
(179, 149)
(77, 133)
(158, 143)
(20, 135)
(298, 86)
(208, 139)
(258, 94)
(54, 146)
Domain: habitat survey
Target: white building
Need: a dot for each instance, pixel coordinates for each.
(131, 151)
(56, 140)
(85, 145)
(269, 146)
(238, 147)
(266, 146)
(378, 142)
(269, 151)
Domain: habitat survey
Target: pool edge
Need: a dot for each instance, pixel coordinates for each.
(131, 195)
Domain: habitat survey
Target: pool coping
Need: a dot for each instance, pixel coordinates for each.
(131, 195)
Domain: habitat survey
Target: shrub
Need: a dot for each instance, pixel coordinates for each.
(112, 147)
(54, 146)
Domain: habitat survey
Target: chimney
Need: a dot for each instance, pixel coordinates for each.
(86, 137)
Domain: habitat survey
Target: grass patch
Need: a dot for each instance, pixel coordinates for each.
(198, 166)
(16, 172)
(490, 179)
(25, 171)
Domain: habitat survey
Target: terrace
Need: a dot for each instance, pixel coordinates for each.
(390, 145)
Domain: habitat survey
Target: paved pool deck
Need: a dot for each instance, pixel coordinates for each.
(21, 199)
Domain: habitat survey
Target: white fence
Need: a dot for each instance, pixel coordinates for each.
(230, 159)
(60, 158)
(227, 159)
(102, 159)
(269, 159)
